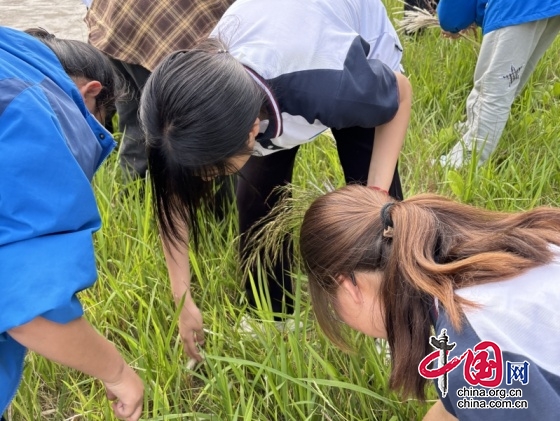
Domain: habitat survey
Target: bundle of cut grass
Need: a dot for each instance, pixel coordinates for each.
(416, 20)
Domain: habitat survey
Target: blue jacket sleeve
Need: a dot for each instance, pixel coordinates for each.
(47, 215)
(456, 15)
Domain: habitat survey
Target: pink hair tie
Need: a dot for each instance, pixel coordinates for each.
(378, 189)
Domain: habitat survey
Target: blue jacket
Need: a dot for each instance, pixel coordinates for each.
(50, 147)
(456, 15)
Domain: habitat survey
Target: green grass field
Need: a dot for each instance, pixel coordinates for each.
(295, 375)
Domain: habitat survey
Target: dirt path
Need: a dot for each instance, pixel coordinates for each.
(64, 18)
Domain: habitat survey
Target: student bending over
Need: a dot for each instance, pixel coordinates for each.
(55, 95)
(428, 266)
(274, 75)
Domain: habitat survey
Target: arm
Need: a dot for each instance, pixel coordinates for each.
(455, 16)
(77, 345)
(389, 139)
(438, 413)
(51, 211)
(190, 317)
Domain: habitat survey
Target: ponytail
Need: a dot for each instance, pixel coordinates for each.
(426, 247)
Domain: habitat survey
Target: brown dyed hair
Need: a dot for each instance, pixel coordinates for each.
(437, 246)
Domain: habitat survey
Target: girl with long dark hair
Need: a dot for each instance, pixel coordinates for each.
(273, 75)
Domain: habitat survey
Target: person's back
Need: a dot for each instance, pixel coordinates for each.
(306, 48)
(28, 65)
(313, 25)
(520, 316)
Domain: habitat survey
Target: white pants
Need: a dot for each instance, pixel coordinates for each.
(507, 58)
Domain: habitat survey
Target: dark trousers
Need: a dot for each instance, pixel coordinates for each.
(132, 151)
(255, 198)
(422, 4)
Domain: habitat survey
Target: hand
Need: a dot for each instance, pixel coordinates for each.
(469, 31)
(190, 328)
(450, 35)
(473, 30)
(128, 393)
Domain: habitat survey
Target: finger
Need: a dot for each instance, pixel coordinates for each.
(110, 395)
(122, 411)
(199, 337)
(117, 410)
(191, 349)
(136, 414)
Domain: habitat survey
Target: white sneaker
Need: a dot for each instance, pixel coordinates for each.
(382, 348)
(288, 325)
(248, 325)
(457, 157)
(461, 128)
(254, 327)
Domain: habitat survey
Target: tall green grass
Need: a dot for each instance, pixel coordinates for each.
(286, 375)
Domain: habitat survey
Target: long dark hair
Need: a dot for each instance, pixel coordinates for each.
(197, 110)
(82, 60)
(437, 246)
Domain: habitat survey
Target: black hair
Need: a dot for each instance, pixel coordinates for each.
(82, 60)
(197, 110)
